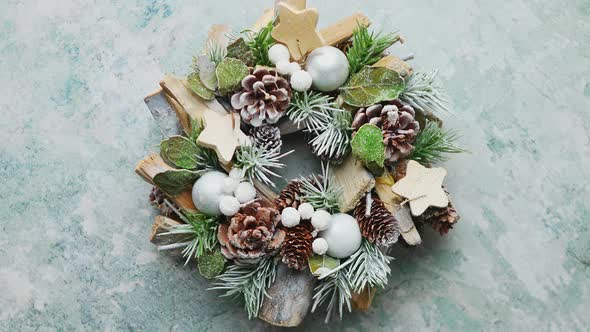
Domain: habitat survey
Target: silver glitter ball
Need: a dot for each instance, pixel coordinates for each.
(328, 67)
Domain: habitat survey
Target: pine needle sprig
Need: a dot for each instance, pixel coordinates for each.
(433, 143)
(334, 138)
(260, 42)
(251, 280)
(369, 267)
(311, 110)
(368, 47)
(423, 93)
(320, 191)
(257, 162)
(200, 231)
(337, 291)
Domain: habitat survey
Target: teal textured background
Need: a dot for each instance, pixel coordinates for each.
(74, 218)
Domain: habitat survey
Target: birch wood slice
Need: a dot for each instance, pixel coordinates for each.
(290, 298)
(342, 30)
(163, 113)
(355, 181)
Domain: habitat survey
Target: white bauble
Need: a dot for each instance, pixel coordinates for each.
(229, 206)
(306, 211)
(278, 53)
(290, 217)
(328, 68)
(207, 192)
(245, 192)
(343, 237)
(319, 246)
(301, 80)
(321, 220)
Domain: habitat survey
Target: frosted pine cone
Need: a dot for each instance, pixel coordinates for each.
(268, 137)
(290, 196)
(297, 247)
(251, 233)
(157, 198)
(264, 98)
(441, 219)
(380, 227)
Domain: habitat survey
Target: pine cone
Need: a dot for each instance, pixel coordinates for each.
(157, 198)
(297, 247)
(251, 233)
(441, 219)
(264, 98)
(268, 137)
(290, 196)
(380, 227)
(398, 124)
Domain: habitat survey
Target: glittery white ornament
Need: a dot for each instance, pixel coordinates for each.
(328, 67)
(343, 237)
(287, 68)
(301, 80)
(207, 192)
(306, 211)
(245, 192)
(230, 185)
(236, 174)
(229, 206)
(319, 246)
(321, 220)
(290, 217)
(278, 53)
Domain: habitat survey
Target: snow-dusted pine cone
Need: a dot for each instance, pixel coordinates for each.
(297, 247)
(251, 233)
(267, 136)
(290, 196)
(264, 97)
(380, 227)
(157, 198)
(441, 219)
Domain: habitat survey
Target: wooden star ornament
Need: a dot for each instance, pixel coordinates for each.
(422, 187)
(297, 30)
(222, 134)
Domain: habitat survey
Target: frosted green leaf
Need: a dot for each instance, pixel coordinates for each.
(194, 82)
(240, 50)
(318, 265)
(367, 145)
(207, 72)
(211, 264)
(175, 181)
(180, 152)
(372, 85)
(230, 73)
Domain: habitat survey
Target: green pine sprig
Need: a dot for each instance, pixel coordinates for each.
(250, 280)
(433, 143)
(369, 267)
(424, 93)
(258, 162)
(336, 291)
(368, 47)
(333, 140)
(320, 191)
(260, 42)
(311, 110)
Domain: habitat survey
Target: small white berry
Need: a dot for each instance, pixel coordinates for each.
(321, 220)
(229, 206)
(229, 186)
(287, 68)
(301, 80)
(290, 217)
(236, 174)
(319, 246)
(306, 211)
(278, 53)
(245, 192)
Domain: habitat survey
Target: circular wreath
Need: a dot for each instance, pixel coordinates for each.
(323, 240)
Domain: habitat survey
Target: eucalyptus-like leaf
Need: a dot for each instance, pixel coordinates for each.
(195, 83)
(174, 182)
(230, 73)
(180, 152)
(372, 85)
(367, 145)
(207, 72)
(241, 51)
(211, 264)
(319, 265)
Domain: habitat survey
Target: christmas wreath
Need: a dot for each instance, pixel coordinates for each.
(323, 240)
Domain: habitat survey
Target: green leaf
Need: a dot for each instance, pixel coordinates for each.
(211, 264)
(318, 265)
(180, 152)
(194, 82)
(372, 85)
(230, 73)
(367, 145)
(241, 51)
(207, 72)
(175, 181)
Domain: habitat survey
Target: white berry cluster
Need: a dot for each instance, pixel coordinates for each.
(300, 79)
(320, 219)
(236, 192)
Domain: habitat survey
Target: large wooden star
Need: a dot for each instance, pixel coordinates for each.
(422, 187)
(297, 30)
(222, 134)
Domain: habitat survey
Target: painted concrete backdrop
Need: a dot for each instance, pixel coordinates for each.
(74, 218)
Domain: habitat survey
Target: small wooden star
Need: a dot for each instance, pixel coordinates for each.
(297, 30)
(422, 187)
(222, 134)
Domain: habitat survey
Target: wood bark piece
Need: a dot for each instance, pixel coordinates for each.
(355, 181)
(152, 165)
(290, 298)
(342, 30)
(161, 225)
(394, 63)
(263, 20)
(163, 113)
(392, 204)
(362, 301)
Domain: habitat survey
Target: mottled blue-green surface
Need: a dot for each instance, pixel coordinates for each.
(74, 218)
